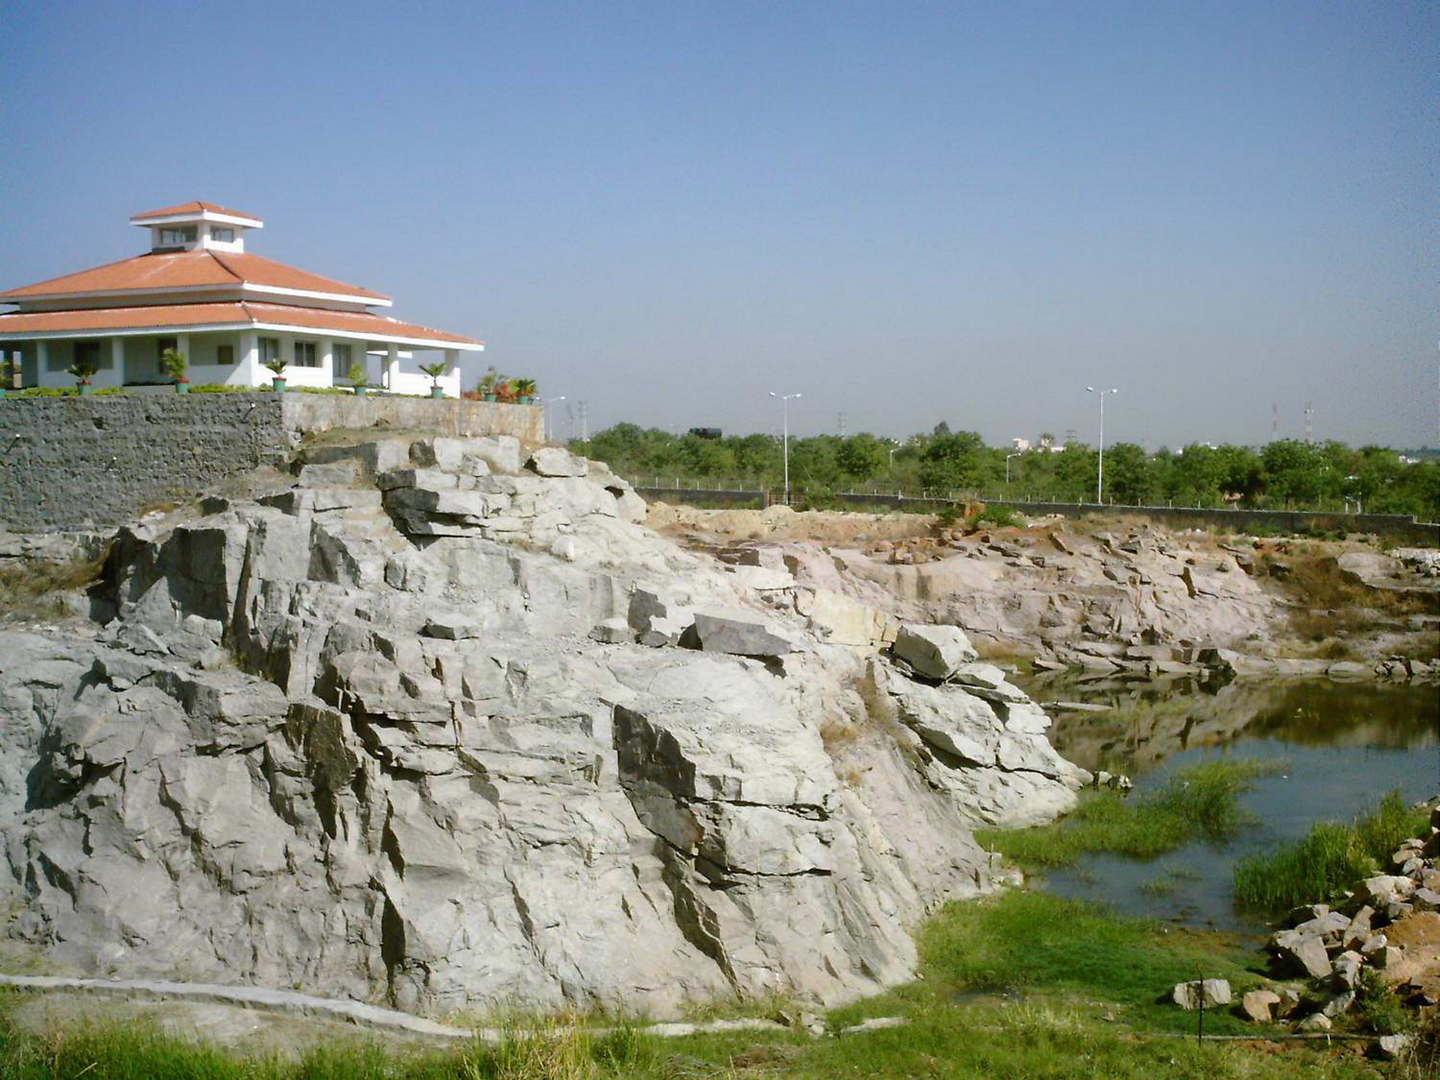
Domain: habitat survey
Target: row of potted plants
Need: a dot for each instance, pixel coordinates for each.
(496, 387)
(493, 386)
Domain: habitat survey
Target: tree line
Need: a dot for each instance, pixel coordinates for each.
(1284, 474)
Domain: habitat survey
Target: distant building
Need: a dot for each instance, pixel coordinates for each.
(706, 432)
(197, 290)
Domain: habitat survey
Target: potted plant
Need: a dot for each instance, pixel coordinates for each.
(505, 390)
(524, 391)
(435, 371)
(277, 369)
(174, 364)
(489, 384)
(356, 375)
(82, 370)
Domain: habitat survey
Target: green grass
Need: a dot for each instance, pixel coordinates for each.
(1021, 985)
(1331, 856)
(1197, 803)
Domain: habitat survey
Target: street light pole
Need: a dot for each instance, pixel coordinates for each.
(1100, 467)
(1007, 466)
(549, 428)
(785, 438)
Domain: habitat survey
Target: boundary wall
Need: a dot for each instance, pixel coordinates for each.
(94, 462)
(1400, 527)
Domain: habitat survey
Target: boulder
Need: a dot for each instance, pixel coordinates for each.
(933, 651)
(658, 619)
(1302, 952)
(1384, 888)
(1339, 1004)
(1315, 1022)
(1260, 1005)
(738, 633)
(1392, 1047)
(1289, 1001)
(1424, 899)
(1359, 928)
(1347, 969)
(1206, 993)
(613, 631)
(453, 627)
(553, 461)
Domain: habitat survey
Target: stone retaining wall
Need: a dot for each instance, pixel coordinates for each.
(310, 413)
(94, 462)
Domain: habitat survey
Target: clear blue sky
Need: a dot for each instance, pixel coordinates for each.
(908, 211)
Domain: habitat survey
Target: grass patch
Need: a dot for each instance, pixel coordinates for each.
(1021, 984)
(1328, 858)
(1200, 802)
(36, 590)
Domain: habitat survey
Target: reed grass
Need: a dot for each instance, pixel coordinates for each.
(1331, 856)
(1198, 803)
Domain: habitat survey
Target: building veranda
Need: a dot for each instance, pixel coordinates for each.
(227, 311)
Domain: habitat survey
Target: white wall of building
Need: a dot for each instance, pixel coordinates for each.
(134, 359)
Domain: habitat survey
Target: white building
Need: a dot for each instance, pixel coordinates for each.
(227, 311)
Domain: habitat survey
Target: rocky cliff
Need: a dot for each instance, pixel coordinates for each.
(441, 724)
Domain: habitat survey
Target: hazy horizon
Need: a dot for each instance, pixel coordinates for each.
(909, 213)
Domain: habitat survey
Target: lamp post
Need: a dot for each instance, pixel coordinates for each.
(785, 440)
(1007, 466)
(545, 414)
(1100, 467)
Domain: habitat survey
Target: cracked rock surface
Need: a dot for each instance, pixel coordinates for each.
(361, 737)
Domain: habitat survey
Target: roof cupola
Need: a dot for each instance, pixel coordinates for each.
(196, 226)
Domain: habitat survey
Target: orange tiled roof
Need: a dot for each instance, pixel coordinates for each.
(238, 313)
(159, 271)
(190, 208)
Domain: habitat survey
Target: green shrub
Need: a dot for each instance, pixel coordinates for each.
(222, 388)
(1197, 803)
(998, 517)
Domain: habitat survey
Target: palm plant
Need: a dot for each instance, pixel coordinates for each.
(82, 370)
(435, 371)
(489, 385)
(174, 364)
(524, 390)
(277, 368)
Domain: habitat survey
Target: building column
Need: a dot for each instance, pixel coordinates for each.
(247, 369)
(42, 362)
(325, 356)
(182, 346)
(392, 364)
(117, 359)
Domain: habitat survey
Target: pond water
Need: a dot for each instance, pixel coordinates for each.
(1338, 747)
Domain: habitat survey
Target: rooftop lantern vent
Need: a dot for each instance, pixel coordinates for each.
(196, 226)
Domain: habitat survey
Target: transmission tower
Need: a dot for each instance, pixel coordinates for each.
(1309, 423)
(841, 423)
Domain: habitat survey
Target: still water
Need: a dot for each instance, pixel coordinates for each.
(1338, 748)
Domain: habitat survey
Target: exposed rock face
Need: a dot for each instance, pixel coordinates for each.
(390, 733)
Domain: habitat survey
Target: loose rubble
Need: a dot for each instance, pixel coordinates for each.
(1331, 947)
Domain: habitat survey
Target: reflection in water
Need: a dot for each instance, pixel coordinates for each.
(1341, 747)
(1143, 726)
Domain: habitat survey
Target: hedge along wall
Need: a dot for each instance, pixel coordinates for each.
(98, 461)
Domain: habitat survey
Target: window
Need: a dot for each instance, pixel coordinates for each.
(174, 237)
(89, 352)
(222, 233)
(305, 354)
(340, 359)
(225, 354)
(55, 358)
(269, 349)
